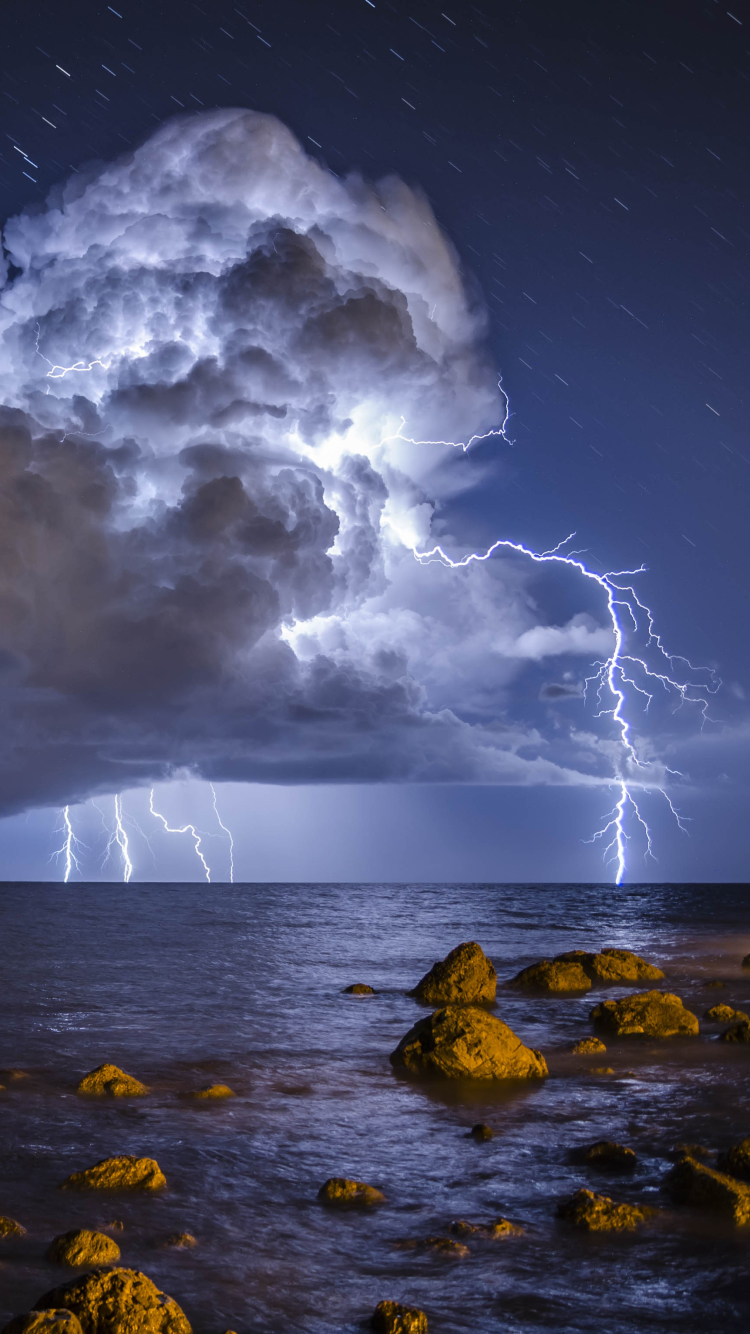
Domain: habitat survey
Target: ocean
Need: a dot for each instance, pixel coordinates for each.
(183, 985)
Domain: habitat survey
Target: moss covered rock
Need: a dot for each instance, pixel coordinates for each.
(498, 1230)
(724, 1014)
(610, 967)
(358, 989)
(588, 1047)
(606, 1154)
(109, 1081)
(552, 975)
(122, 1173)
(215, 1091)
(81, 1249)
(464, 1041)
(597, 1213)
(118, 1301)
(736, 1161)
(691, 1182)
(10, 1228)
(651, 1014)
(393, 1318)
(44, 1322)
(738, 1033)
(341, 1190)
(464, 977)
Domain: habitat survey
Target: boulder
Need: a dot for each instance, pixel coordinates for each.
(588, 1047)
(44, 1322)
(10, 1228)
(358, 989)
(118, 1301)
(738, 1033)
(109, 1081)
(610, 967)
(606, 1154)
(691, 1182)
(481, 1132)
(215, 1091)
(83, 1249)
(393, 1318)
(122, 1173)
(552, 975)
(497, 1230)
(340, 1190)
(724, 1014)
(464, 977)
(736, 1161)
(597, 1213)
(463, 1041)
(746, 961)
(651, 1014)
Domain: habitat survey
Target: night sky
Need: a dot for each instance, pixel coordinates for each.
(589, 164)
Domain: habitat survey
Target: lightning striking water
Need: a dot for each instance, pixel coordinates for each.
(122, 840)
(228, 832)
(185, 829)
(70, 843)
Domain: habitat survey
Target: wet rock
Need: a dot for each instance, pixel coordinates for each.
(691, 1182)
(746, 961)
(724, 1014)
(466, 1042)
(497, 1230)
(114, 1226)
(180, 1241)
(610, 967)
(122, 1173)
(588, 1047)
(358, 989)
(215, 1091)
(552, 975)
(465, 976)
(652, 1014)
(109, 1081)
(118, 1301)
(682, 1150)
(738, 1033)
(714, 983)
(81, 1248)
(597, 1213)
(601, 1070)
(340, 1190)
(481, 1132)
(10, 1228)
(736, 1161)
(446, 1246)
(606, 1154)
(393, 1318)
(44, 1322)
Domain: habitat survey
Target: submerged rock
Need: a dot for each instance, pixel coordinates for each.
(340, 1190)
(439, 1245)
(10, 1228)
(605, 1153)
(109, 1081)
(724, 1014)
(122, 1173)
(393, 1318)
(464, 977)
(44, 1322)
(610, 967)
(739, 1033)
(82, 1248)
(497, 1230)
(215, 1091)
(180, 1241)
(481, 1132)
(597, 1213)
(588, 1047)
(358, 989)
(460, 1042)
(736, 1161)
(691, 1182)
(552, 975)
(652, 1014)
(118, 1301)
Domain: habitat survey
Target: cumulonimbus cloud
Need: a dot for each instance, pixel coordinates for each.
(208, 508)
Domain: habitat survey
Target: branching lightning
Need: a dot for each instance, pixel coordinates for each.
(185, 829)
(59, 372)
(69, 845)
(494, 433)
(228, 832)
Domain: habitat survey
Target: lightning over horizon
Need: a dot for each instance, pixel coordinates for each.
(228, 832)
(184, 829)
(69, 845)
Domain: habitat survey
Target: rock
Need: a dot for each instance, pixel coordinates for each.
(736, 1161)
(340, 1190)
(714, 983)
(615, 967)
(691, 1182)
(597, 1213)
(682, 1150)
(358, 989)
(604, 1153)
(109, 1081)
(44, 1322)
(601, 1070)
(118, 1301)
(439, 1245)
(746, 961)
(114, 1226)
(464, 977)
(465, 1041)
(588, 1047)
(552, 975)
(481, 1132)
(739, 1033)
(122, 1173)
(724, 1014)
(10, 1228)
(498, 1230)
(393, 1318)
(82, 1248)
(180, 1241)
(651, 1014)
(215, 1091)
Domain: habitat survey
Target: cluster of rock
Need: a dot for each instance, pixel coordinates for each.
(578, 970)
(104, 1301)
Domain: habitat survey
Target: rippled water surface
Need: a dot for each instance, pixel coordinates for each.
(185, 985)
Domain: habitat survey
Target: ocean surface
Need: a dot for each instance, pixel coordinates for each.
(186, 985)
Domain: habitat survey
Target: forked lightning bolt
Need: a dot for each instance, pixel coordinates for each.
(228, 832)
(69, 845)
(185, 829)
(59, 372)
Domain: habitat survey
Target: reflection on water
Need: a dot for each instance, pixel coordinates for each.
(186, 985)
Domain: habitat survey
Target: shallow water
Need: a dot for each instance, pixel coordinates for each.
(184, 985)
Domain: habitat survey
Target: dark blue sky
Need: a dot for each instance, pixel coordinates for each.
(590, 164)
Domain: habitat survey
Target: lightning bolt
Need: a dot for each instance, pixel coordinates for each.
(463, 445)
(228, 833)
(186, 829)
(59, 372)
(122, 839)
(69, 845)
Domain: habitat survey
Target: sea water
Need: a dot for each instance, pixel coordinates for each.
(188, 985)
